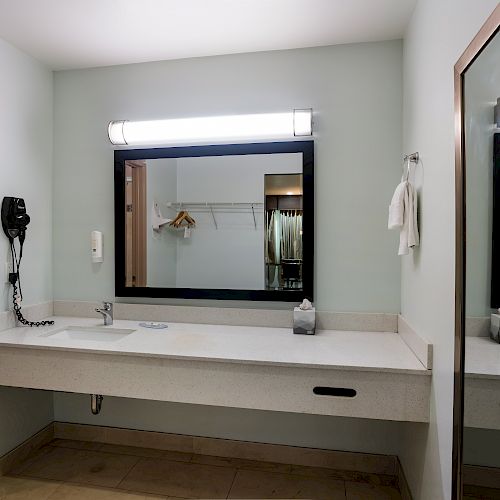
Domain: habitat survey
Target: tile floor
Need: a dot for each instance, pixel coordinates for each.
(77, 470)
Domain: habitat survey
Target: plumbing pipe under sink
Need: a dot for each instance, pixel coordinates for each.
(96, 403)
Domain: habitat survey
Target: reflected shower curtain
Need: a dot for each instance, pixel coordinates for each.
(283, 239)
(290, 234)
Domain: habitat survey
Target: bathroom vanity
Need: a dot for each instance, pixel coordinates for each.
(481, 383)
(345, 373)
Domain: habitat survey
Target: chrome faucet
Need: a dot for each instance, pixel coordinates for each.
(107, 313)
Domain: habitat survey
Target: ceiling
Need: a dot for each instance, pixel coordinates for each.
(283, 184)
(68, 34)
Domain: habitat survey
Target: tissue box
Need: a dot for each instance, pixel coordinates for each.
(304, 322)
(495, 327)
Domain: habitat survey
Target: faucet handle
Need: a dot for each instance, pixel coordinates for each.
(107, 313)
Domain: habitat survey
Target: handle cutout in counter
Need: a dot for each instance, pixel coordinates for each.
(342, 392)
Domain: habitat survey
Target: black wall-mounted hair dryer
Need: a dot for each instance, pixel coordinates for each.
(14, 223)
(14, 218)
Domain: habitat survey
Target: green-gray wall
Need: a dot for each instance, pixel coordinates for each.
(356, 94)
(26, 171)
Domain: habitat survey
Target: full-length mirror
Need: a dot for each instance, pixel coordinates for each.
(215, 221)
(481, 434)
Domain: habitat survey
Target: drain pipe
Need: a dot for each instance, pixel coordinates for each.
(95, 403)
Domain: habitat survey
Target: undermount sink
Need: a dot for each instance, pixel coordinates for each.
(90, 334)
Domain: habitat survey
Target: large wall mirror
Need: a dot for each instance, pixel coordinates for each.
(215, 222)
(477, 358)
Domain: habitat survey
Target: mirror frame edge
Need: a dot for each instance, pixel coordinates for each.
(306, 147)
(476, 46)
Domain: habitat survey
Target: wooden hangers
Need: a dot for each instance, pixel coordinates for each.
(183, 218)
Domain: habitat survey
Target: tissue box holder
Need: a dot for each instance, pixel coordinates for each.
(495, 327)
(304, 322)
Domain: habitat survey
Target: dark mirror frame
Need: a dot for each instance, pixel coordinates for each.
(304, 147)
(479, 42)
(495, 246)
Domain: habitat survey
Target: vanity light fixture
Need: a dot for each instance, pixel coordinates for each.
(296, 123)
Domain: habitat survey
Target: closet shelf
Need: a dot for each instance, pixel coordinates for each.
(207, 206)
(218, 207)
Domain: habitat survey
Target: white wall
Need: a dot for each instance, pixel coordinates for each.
(481, 87)
(437, 35)
(355, 91)
(26, 171)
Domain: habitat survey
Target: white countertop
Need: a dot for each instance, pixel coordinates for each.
(482, 357)
(366, 351)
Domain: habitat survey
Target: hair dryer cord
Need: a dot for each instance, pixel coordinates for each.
(19, 314)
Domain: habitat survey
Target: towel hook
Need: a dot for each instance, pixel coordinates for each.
(407, 161)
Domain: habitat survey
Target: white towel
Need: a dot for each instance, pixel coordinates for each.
(396, 208)
(157, 220)
(413, 235)
(403, 215)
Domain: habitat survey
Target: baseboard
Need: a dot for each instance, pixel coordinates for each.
(313, 457)
(26, 448)
(404, 489)
(476, 475)
(339, 460)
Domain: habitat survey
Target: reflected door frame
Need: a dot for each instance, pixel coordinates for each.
(480, 41)
(135, 223)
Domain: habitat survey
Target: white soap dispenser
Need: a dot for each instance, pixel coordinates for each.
(97, 253)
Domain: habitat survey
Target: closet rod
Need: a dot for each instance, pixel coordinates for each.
(213, 204)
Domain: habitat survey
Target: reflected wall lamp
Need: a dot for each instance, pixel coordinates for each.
(296, 123)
